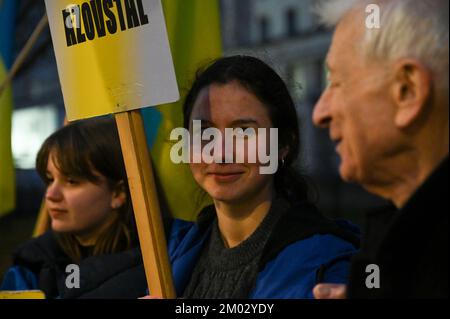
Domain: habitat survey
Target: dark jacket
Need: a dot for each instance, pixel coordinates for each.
(41, 264)
(409, 246)
(304, 249)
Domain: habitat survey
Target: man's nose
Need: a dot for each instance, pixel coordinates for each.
(321, 115)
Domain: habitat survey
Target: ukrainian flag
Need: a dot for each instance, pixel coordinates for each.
(7, 174)
(195, 39)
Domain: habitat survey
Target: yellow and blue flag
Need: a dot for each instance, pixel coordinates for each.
(195, 39)
(8, 9)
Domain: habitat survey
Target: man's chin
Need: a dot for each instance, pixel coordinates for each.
(347, 174)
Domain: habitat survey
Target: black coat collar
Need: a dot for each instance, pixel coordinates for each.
(409, 245)
(44, 257)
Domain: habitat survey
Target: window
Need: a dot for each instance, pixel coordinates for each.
(291, 22)
(300, 80)
(264, 25)
(30, 127)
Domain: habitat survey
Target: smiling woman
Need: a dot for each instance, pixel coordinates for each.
(262, 238)
(92, 225)
(250, 144)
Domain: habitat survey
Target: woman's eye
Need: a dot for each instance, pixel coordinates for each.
(72, 181)
(245, 131)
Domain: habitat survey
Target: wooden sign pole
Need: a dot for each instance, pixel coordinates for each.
(145, 203)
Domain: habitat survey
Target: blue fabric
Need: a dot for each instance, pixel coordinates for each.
(291, 274)
(19, 278)
(152, 118)
(8, 13)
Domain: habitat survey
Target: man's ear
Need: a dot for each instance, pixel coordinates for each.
(410, 91)
(119, 196)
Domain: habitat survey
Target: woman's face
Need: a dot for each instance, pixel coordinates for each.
(231, 106)
(77, 206)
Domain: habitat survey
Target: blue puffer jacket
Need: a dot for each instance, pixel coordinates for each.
(40, 264)
(304, 249)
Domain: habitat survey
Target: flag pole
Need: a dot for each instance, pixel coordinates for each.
(24, 53)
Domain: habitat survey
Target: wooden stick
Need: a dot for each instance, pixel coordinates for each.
(145, 203)
(24, 53)
(42, 222)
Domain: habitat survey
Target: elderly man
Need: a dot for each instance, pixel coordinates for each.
(387, 110)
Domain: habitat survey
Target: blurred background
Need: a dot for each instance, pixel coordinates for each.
(284, 33)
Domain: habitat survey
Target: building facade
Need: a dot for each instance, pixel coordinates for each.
(287, 35)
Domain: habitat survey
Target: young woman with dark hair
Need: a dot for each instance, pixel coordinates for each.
(91, 216)
(262, 238)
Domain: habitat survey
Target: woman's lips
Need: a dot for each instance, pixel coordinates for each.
(226, 177)
(56, 212)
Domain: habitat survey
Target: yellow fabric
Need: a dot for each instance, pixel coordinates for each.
(25, 294)
(194, 34)
(7, 174)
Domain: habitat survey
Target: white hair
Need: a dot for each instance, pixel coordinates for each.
(332, 11)
(408, 28)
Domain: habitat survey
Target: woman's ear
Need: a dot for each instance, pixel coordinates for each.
(119, 195)
(410, 91)
(283, 152)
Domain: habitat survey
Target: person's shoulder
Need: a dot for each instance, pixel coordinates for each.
(304, 234)
(115, 275)
(179, 228)
(129, 283)
(187, 231)
(305, 255)
(305, 220)
(45, 240)
(37, 251)
(319, 249)
(303, 263)
(28, 260)
(19, 278)
(113, 262)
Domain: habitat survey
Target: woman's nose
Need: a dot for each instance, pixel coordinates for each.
(54, 192)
